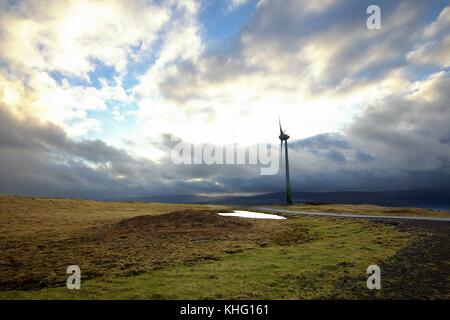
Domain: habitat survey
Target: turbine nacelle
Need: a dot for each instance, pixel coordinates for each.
(283, 136)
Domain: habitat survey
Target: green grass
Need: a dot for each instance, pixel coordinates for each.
(337, 249)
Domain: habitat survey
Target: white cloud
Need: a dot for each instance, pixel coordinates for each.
(233, 4)
(220, 99)
(66, 36)
(72, 38)
(434, 49)
(440, 25)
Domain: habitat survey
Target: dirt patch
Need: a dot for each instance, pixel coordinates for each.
(183, 221)
(419, 271)
(140, 244)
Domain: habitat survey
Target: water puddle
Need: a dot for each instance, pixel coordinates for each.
(250, 214)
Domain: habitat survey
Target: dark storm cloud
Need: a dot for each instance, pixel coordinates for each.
(405, 133)
(322, 141)
(374, 154)
(417, 122)
(364, 157)
(335, 156)
(39, 158)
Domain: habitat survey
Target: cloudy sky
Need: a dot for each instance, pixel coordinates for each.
(94, 94)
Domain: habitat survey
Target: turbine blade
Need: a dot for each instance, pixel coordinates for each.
(279, 122)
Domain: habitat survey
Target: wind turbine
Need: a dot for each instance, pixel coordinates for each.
(284, 137)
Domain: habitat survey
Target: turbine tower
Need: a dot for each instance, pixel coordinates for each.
(284, 137)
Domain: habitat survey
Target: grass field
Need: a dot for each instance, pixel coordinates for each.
(165, 251)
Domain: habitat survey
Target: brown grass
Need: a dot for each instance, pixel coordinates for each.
(55, 218)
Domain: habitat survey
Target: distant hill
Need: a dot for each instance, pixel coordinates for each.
(421, 199)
